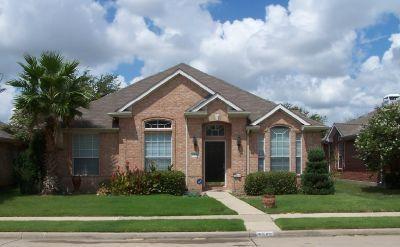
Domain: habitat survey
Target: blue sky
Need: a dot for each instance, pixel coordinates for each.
(337, 58)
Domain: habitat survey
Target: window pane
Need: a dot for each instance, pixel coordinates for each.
(298, 165)
(158, 150)
(86, 166)
(158, 124)
(215, 130)
(260, 164)
(280, 149)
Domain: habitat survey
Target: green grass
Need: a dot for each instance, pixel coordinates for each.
(212, 225)
(14, 204)
(349, 197)
(338, 223)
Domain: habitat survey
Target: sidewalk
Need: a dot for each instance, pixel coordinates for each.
(254, 219)
(327, 215)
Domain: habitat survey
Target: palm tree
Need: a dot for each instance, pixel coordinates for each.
(51, 91)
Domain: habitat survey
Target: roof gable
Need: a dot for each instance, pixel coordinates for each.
(211, 99)
(284, 109)
(162, 82)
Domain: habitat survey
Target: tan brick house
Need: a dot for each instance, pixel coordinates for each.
(205, 127)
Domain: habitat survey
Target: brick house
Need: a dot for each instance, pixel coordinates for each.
(205, 127)
(9, 148)
(340, 149)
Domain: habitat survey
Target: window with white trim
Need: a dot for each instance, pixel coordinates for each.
(215, 130)
(158, 144)
(85, 154)
(298, 153)
(261, 153)
(280, 149)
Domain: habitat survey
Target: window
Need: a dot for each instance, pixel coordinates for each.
(298, 153)
(261, 155)
(158, 150)
(85, 154)
(158, 124)
(280, 149)
(215, 130)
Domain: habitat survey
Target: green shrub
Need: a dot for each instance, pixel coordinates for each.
(277, 183)
(139, 182)
(392, 180)
(28, 166)
(316, 179)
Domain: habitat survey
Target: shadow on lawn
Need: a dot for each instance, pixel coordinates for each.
(8, 193)
(380, 190)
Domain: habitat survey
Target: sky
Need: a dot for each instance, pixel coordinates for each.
(336, 58)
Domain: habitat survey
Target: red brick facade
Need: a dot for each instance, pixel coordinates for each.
(171, 101)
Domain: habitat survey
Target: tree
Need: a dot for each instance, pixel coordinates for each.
(316, 179)
(314, 116)
(103, 85)
(378, 144)
(51, 91)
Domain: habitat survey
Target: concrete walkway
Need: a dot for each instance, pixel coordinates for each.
(111, 218)
(254, 219)
(326, 215)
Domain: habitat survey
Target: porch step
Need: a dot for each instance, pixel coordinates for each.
(215, 186)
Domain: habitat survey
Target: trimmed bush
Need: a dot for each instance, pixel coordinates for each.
(316, 179)
(139, 182)
(278, 183)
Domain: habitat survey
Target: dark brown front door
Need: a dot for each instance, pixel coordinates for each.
(215, 161)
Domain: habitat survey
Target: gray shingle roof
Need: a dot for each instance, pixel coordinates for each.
(96, 116)
(353, 127)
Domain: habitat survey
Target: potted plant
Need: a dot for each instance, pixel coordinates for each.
(269, 198)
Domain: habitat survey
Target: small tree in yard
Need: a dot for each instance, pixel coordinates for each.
(378, 144)
(316, 179)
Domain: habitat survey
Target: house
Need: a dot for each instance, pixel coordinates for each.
(212, 131)
(8, 151)
(341, 151)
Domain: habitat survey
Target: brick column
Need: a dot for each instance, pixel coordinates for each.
(267, 148)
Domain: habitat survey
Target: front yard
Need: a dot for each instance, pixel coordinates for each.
(14, 204)
(349, 197)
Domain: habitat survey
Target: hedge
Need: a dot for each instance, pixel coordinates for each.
(278, 183)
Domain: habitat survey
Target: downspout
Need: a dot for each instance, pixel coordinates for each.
(186, 152)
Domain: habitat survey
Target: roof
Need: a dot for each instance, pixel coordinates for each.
(352, 128)
(4, 135)
(96, 115)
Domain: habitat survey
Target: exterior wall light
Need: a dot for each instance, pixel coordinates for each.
(239, 141)
(195, 144)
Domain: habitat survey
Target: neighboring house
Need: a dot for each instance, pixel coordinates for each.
(8, 151)
(212, 131)
(341, 151)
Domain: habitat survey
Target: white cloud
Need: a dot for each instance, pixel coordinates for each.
(301, 54)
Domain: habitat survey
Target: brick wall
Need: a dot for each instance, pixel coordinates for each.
(8, 152)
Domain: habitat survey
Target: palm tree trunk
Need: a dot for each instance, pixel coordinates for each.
(50, 184)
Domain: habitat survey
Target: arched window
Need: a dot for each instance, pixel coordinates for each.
(158, 144)
(157, 124)
(215, 130)
(280, 149)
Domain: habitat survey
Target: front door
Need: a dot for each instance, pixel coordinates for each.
(215, 162)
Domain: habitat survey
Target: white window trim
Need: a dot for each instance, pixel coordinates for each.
(144, 148)
(290, 148)
(301, 152)
(258, 142)
(280, 107)
(162, 82)
(214, 97)
(83, 157)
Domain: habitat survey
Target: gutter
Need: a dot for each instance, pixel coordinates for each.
(314, 128)
(238, 113)
(90, 130)
(124, 114)
(195, 114)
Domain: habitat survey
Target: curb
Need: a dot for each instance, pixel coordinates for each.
(122, 236)
(337, 232)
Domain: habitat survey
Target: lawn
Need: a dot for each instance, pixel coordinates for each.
(14, 204)
(338, 223)
(124, 226)
(349, 197)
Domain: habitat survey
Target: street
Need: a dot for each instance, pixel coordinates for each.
(354, 241)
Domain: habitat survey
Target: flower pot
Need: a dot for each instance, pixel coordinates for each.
(76, 182)
(269, 201)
